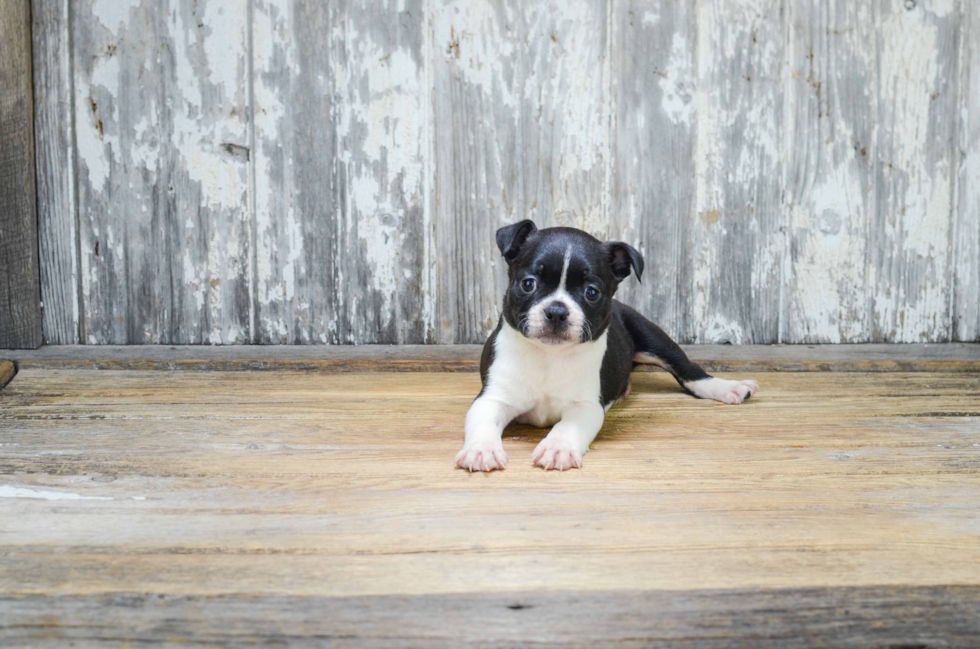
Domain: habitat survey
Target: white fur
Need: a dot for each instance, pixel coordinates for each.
(731, 392)
(541, 385)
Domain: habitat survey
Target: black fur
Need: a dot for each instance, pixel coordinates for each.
(539, 255)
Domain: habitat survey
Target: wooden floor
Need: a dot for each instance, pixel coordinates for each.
(308, 509)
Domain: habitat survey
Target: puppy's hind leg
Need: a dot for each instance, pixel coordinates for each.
(655, 347)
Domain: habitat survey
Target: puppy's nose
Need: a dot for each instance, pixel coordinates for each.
(556, 313)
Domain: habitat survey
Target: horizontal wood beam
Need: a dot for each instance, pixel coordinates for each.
(952, 357)
(20, 286)
(886, 616)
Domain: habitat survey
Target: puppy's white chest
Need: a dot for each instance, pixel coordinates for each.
(542, 382)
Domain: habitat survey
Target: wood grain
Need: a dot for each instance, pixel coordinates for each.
(909, 237)
(161, 122)
(736, 239)
(335, 497)
(654, 178)
(950, 357)
(54, 140)
(830, 189)
(20, 301)
(966, 153)
(797, 171)
(714, 619)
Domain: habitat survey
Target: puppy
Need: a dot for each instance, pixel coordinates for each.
(563, 350)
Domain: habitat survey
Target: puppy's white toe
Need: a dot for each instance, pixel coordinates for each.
(555, 453)
(730, 392)
(482, 456)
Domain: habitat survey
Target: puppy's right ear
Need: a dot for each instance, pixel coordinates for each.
(511, 238)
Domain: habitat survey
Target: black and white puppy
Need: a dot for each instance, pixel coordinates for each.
(563, 350)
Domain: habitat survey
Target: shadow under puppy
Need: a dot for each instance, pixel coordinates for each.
(563, 350)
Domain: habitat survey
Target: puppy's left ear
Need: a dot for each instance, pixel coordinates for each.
(622, 257)
(511, 238)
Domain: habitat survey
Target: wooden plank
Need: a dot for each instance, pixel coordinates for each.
(565, 113)
(341, 126)
(20, 298)
(789, 619)
(830, 149)
(832, 504)
(736, 239)
(654, 175)
(966, 238)
(910, 234)
(952, 357)
(477, 58)
(7, 372)
(54, 140)
(161, 115)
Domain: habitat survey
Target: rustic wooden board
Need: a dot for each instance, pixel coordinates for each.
(654, 47)
(20, 299)
(736, 239)
(951, 357)
(966, 234)
(161, 120)
(794, 171)
(54, 141)
(910, 231)
(329, 505)
(785, 619)
(477, 99)
(340, 187)
(830, 188)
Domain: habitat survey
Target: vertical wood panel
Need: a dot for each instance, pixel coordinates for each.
(966, 238)
(736, 238)
(55, 145)
(20, 302)
(829, 148)
(297, 174)
(910, 234)
(653, 180)
(161, 122)
(477, 55)
(340, 126)
(565, 113)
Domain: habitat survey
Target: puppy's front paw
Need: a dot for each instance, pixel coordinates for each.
(482, 456)
(730, 392)
(557, 453)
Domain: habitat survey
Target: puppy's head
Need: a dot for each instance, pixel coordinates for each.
(561, 281)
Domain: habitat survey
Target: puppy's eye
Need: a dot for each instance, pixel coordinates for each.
(528, 284)
(592, 293)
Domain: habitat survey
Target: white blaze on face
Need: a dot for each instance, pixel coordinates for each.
(537, 322)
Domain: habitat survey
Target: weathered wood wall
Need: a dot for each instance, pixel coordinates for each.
(280, 171)
(20, 295)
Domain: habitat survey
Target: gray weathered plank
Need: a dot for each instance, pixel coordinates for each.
(653, 179)
(736, 238)
(161, 114)
(55, 145)
(966, 235)
(881, 357)
(20, 301)
(563, 96)
(476, 57)
(910, 232)
(829, 149)
(884, 616)
(340, 130)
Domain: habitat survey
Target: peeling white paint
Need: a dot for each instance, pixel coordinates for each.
(114, 14)
(676, 83)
